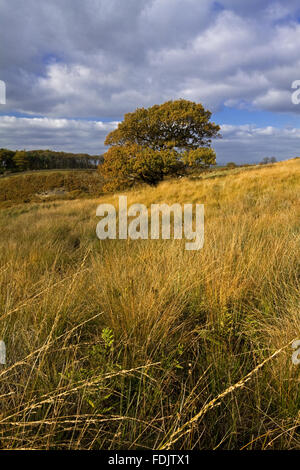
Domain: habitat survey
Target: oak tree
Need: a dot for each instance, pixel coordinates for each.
(161, 140)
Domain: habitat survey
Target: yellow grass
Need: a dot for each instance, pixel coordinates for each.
(127, 344)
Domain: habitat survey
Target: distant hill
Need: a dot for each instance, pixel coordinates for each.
(22, 160)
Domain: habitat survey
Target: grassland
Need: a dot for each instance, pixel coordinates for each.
(64, 184)
(141, 344)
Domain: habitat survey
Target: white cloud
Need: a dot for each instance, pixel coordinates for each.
(103, 58)
(56, 134)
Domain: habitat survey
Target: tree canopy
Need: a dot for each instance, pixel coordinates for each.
(163, 139)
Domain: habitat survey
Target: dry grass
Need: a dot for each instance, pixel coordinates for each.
(132, 344)
(49, 185)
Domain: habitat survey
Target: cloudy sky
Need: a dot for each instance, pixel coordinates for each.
(72, 68)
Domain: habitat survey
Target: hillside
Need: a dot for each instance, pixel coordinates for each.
(122, 344)
(48, 185)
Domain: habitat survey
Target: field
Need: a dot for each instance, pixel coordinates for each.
(141, 344)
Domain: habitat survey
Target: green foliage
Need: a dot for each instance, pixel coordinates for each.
(108, 338)
(162, 140)
(46, 160)
(6, 159)
(125, 165)
(178, 124)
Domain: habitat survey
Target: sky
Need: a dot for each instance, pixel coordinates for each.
(72, 68)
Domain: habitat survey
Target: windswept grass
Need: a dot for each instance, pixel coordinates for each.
(141, 344)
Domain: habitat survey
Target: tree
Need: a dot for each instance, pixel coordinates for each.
(6, 159)
(46, 159)
(127, 164)
(267, 160)
(161, 140)
(21, 160)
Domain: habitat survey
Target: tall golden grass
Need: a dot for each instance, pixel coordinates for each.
(142, 345)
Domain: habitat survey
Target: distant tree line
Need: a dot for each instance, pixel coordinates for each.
(267, 160)
(49, 186)
(22, 160)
